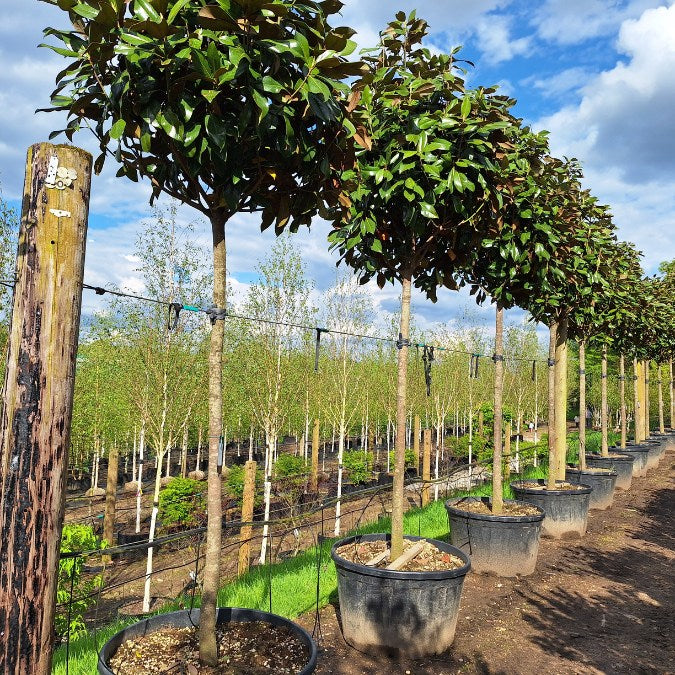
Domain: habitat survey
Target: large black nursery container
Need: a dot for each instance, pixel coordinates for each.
(411, 613)
(566, 510)
(506, 545)
(621, 464)
(603, 482)
(639, 452)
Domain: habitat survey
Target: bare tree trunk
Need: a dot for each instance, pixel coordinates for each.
(553, 331)
(646, 366)
(622, 398)
(110, 499)
(208, 652)
(139, 491)
(151, 536)
(638, 424)
(560, 415)
(270, 445)
(582, 405)
(662, 423)
(671, 387)
(338, 505)
(399, 456)
(497, 489)
(603, 403)
(183, 452)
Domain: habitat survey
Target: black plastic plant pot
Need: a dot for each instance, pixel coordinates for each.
(186, 618)
(504, 545)
(566, 510)
(640, 454)
(621, 464)
(603, 482)
(400, 613)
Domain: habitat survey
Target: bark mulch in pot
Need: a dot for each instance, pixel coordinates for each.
(244, 648)
(509, 508)
(427, 560)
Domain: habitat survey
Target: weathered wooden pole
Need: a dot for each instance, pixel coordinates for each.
(671, 388)
(560, 415)
(426, 467)
(416, 443)
(38, 399)
(645, 398)
(247, 517)
(498, 357)
(638, 423)
(314, 477)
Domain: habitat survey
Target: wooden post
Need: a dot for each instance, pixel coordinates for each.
(622, 397)
(560, 415)
(507, 451)
(426, 467)
(247, 517)
(604, 447)
(638, 424)
(416, 443)
(671, 389)
(314, 478)
(38, 399)
(110, 499)
(582, 405)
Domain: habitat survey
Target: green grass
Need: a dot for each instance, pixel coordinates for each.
(593, 443)
(294, 580)
(293, 586)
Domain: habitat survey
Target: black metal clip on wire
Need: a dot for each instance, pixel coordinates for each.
(174, 313)
(497, 357)
(427, 357)
(402, 342)
(216, 314)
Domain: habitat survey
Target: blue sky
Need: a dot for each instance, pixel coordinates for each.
(599, 74)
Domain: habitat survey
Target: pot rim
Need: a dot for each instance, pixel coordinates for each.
(223, 615)
(617, 457)
(397, 574)
(583, 489)
(451, 507)
(591, 471)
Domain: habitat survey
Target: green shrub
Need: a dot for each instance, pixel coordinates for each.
(234, 484)
(75, 537)
(459, 446)
(289, 465)
(182, 503)
(358, 465)
(410, 459)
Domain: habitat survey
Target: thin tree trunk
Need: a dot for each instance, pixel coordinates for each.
(270, 445)
(497, 490)
(399, 456)
(671, 387)
(139, 492)
(110, 498)
(151, 536)
(338, 505)
(603, 403)
(647, 400)
(560, 415)
(553, 331)
(208, 652)
(637, 409)
(622, 398)
(662, 423)
(582, 405)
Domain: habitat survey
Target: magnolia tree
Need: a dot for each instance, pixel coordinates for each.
(424, 187)
(228, 106)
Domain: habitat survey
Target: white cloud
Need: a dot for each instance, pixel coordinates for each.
(495, 41)
(572, 21)
(623, 130)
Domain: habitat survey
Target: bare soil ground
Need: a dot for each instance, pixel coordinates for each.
(601, 604)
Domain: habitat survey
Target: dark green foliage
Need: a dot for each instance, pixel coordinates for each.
(227, 105)
(289, 465)
(358, 465)
(182, 503)
(75, 537)
(410, 459)
(234, 484)
(459, 446)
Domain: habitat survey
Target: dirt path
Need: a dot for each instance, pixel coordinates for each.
(602, 604)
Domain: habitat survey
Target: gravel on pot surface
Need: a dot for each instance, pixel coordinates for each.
(244, 648)
(509, 509)
(429, 559)
(560, 485)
